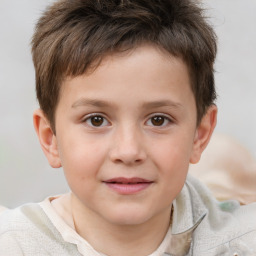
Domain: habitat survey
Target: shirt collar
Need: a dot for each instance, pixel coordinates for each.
(188, 211)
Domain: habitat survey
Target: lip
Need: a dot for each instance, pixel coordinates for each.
(128, 186)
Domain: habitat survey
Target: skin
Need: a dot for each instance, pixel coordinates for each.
(145, 128)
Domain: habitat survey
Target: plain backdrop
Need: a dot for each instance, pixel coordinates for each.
(25, 175)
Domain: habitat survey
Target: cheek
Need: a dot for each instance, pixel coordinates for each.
(82, 159)
(173, 152)
(172, 161)
(81, 170)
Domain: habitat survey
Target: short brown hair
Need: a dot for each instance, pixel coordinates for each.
(73, 35)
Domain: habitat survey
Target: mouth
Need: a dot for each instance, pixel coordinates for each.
(128, 186)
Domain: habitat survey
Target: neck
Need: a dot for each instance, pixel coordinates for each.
(126, 240)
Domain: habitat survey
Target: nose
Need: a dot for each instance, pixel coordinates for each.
(128, 147)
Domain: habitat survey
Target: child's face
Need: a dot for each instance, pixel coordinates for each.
(125, 135)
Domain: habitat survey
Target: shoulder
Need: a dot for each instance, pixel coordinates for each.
(23, 231)
(27, 230)
(226, 227)
(15, 227)
(25, 219)
(22, 218)
(2, 209)
(11, 220)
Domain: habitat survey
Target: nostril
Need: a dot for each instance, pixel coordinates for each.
(127, 152)
(127, 157)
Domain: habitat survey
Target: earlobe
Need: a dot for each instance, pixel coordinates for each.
(46, 138)
(203, 133)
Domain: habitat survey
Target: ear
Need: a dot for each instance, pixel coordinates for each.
(46, 138)
(203, 133)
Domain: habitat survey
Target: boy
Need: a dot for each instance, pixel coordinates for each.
(126, 94)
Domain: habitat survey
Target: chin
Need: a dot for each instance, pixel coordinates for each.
(128, 217)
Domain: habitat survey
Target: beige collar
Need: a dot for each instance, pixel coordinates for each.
(188, 212)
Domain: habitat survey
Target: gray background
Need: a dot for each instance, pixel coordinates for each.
(25, 175)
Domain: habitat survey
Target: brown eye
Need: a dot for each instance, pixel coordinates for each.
(96, 121)
(158, 120)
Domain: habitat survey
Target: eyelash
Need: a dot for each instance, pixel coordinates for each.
(88, 120)
(166, 120)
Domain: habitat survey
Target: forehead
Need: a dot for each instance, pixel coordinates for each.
(145, 73)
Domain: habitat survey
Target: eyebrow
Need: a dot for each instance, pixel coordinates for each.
(162, 103)
(103, 104)
(90, 102)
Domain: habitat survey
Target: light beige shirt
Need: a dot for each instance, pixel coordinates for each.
(2, 209)
(58, 210)
(201, 226)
